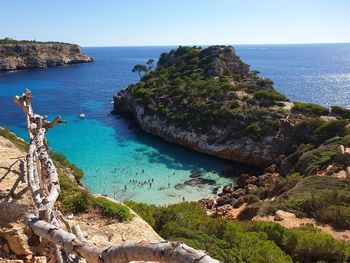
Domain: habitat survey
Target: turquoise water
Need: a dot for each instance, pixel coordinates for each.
(111, 154)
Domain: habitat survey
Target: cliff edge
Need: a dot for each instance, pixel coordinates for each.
(17, 55)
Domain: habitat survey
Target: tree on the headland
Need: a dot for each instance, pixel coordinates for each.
(150, 64)
(139, 68)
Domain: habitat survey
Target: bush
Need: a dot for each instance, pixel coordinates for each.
(112, 209)
(338, 216)
(306, 244)
(13, 138)
(232, 241)
(340, 111)
(331, 129)
(60, 158)
(73, 198)
(310, 108)
(270, 94)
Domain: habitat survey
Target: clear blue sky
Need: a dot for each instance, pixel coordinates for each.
(176, 22)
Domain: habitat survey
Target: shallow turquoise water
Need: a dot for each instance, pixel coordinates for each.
(111, 154)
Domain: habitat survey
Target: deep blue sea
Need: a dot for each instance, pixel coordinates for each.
(111, 154)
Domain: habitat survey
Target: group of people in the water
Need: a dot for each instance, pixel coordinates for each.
(140, 183)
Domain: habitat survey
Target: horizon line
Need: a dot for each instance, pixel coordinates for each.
(199, 45)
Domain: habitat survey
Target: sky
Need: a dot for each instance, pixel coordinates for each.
(176, 22)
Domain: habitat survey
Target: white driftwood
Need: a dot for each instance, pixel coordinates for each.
(162, 251)
(66, 246)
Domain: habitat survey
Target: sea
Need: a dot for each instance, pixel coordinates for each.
(122, 161)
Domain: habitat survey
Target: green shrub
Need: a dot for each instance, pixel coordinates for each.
(310, 108)
(338, 216)
(251, 199)
(331, 129)
(306, 244)
(340, 111)
(13, 138)
(60, 158)
(232, 241)
(74, 199)
(112, 209)
(270, 94)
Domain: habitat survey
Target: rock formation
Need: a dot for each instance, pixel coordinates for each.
(17, 55)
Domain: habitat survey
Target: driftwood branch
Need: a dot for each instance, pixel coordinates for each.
(162, 251)
(67, 245)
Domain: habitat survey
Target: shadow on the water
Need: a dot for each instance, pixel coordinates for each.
(173, 156)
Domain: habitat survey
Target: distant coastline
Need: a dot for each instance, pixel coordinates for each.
(25, 54)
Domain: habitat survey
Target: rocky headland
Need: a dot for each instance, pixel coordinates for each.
(210, 101)
(19, 55)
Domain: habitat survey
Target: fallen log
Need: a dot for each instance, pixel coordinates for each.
(162, 251)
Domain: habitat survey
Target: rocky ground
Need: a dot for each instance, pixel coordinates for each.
(241, 202)
(16, 202)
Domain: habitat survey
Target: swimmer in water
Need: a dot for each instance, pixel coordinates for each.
(125, 187)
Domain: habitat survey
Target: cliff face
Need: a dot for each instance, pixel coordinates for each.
(210, 101)
(18, 55)
(245, 150)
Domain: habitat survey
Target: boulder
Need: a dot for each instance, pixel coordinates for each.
(179, 186)
(279, 216)
(271, 169)
(223, 200)
(240, 201)
(251, 188)
(233, 201)
(265, 180)
(227, 189)
(195, 174)
(207, 203)
(253, 180)
(242, 180)
(238, 193)
(16, 238)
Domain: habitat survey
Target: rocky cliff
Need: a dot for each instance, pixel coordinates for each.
(210, 101)
(17, 55)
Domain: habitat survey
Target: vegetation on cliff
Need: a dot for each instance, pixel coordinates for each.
(197, 88)
(24, 54)
(233, 241)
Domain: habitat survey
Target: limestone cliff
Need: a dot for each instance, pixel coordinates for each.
(210, 101)
(17, 55)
